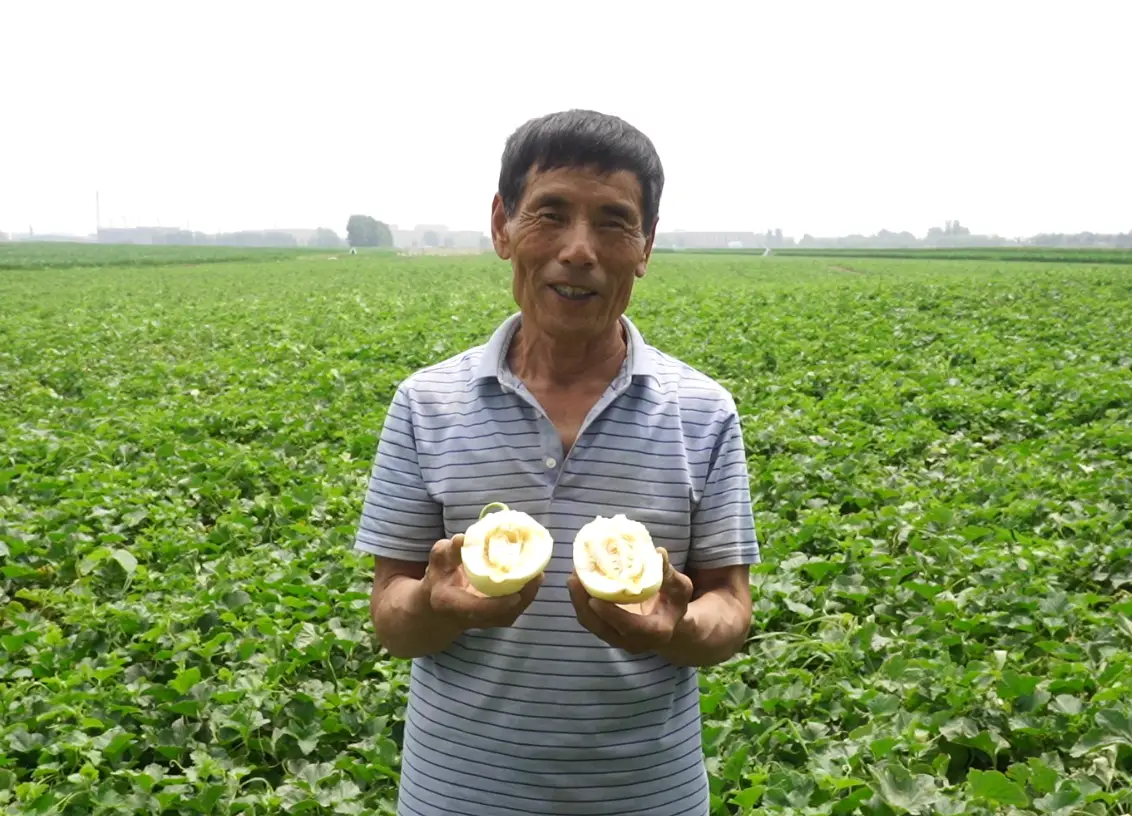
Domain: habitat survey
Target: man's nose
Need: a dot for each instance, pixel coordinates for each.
(578, 245)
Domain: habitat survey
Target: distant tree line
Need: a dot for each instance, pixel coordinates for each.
(322, 237)
(366, 231)
(951, 234)
(361, 231)
(243, 238)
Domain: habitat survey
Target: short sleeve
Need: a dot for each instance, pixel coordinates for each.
(400, 519)
(723, 525)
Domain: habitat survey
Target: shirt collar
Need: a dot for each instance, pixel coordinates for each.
(493, 359)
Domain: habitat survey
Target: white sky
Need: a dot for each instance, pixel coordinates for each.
(827, 118)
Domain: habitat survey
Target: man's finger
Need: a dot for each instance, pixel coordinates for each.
(653, 626)
(530, 589)
(675, 585)
(586, 615)
(668, 572)
(456, 600)
(440, 558)
(452, 557)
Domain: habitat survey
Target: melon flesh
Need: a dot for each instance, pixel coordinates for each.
(504, 550)
(616, 561)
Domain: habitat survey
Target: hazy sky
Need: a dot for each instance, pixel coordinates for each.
(827, 118)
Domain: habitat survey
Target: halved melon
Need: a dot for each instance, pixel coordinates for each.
(616, 561)
(504, 550)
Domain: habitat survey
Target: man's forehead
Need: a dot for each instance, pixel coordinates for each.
(569, 182)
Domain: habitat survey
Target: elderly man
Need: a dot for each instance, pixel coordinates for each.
(548, 700)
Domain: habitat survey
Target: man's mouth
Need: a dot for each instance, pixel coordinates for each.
(572, 292)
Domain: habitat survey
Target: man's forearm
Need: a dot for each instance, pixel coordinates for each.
(713, 629)
(404, 621)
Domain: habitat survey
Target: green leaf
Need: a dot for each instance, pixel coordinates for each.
(883, 747)
(1062, 803)
(903, 790)
(733, 767)
(994, 787)
(1015, 685)
(1117, 724)
(854, 800)
(126, 560)
(987, 741)
(92, 559)
(1066, 704)
(185, 680)
(748, 796)
(236, 599)
(13, 643)
(16, 571)
(1042, 776)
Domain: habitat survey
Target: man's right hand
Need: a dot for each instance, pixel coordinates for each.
(452, 597)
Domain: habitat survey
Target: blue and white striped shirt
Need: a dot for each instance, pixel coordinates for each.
(544, 717)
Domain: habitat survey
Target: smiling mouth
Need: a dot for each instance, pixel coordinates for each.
(572, 292)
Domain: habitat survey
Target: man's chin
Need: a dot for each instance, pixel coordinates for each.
(573, 327)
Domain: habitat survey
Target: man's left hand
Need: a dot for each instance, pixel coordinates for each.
(641, 627)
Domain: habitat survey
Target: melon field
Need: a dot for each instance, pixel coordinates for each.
(941, 472)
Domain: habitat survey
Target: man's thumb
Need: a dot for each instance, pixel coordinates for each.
(454, 559)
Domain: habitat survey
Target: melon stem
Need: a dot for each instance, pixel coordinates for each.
(488, 508)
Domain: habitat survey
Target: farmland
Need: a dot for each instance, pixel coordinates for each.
(941, 470)
(1090, 255)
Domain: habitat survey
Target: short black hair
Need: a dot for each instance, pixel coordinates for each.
(580, 138)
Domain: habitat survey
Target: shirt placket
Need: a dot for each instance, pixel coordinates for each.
(551, 455)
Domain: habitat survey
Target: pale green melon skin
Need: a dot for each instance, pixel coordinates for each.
(624, 596)
(497, 589)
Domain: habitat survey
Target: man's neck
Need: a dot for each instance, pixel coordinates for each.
(543, 361)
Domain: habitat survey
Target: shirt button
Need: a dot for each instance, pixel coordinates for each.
(550, 462)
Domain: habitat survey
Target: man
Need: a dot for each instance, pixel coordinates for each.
(548, 701)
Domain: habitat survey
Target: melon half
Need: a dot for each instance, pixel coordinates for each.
(616, 561)
(504, 550)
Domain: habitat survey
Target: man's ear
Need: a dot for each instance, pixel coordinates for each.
(643, 266)
(500, 238)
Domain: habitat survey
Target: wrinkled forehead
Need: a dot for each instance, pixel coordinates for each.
(587, 187)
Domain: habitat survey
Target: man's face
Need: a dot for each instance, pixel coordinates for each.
(576, 244)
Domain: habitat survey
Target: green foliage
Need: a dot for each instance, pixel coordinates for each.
(1086, 255)
(69, 255)
(941, 465)
(325, 238)
(365, 231)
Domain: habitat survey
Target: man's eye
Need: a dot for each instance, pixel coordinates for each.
(552, 216)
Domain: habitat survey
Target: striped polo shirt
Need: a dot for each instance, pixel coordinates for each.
(544, 717)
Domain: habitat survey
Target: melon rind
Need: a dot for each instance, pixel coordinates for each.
(610, 588)
(537, 551)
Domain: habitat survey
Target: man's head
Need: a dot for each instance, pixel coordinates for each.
(576, 214)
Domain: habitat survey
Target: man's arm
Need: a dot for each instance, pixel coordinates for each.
(724, 545)
(420, 601)
(399, 526)
(717, 621)
(700, 617)
(419, 610)
(403, 618)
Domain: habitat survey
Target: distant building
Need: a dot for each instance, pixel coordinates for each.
(178, 236)
(138, 235)
(53, 237)
(683, 239)
(438, 236)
